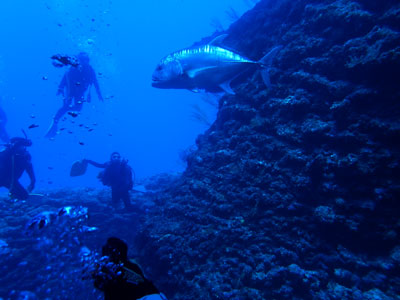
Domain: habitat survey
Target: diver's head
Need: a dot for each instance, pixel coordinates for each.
(83, 58)
(115, 156)
(166, 72)
(19, 143)
(116, 249)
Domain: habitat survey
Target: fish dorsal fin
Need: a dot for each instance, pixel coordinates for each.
(218, 40)
(226, 86)
(194, 72)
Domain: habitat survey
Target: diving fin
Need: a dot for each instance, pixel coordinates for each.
(78, 168)
(36, 196)
(52, 131)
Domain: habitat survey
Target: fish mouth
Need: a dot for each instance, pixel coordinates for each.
(156, 78)
(161, 84)
(156, 82)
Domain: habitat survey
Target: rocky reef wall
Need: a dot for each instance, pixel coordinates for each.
(294, 191)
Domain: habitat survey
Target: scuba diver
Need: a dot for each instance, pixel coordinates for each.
(121, 278)
(118, 175)
(74, 87)
(14, 160)
(3, 121)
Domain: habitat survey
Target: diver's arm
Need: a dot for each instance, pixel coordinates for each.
(96, 164)
(31, 174)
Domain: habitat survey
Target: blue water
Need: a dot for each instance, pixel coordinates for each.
(125, 41)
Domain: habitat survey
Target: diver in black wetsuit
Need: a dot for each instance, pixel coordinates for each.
(121, 278)
(14, 160)
(75, 88)
(3, 120)
(118, 175)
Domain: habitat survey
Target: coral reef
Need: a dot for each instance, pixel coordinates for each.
(292, 192)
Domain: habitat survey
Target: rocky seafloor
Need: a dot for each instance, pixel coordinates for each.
(292, 193)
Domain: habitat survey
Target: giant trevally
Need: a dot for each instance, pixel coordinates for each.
(209, 67)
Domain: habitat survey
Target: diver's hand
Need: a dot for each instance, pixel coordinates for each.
(30, 187)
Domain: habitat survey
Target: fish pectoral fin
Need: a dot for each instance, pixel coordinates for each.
(226, 86)
(193, 73)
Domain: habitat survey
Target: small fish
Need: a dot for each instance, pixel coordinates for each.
(84, 251)
(73, 114)
(209, 67)
(81, 143)
(88, 229)
(45, 78)
(3, 244)
(33, 126)
(73, 211)
(40, 221)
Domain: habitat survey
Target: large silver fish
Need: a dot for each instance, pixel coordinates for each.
(209, 67)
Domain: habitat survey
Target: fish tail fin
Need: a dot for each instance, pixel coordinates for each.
(266, 62)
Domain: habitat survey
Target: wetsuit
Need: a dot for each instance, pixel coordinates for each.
(13, 163)
(117, 175)
(131, 286)
(127, 281)
(76, 82)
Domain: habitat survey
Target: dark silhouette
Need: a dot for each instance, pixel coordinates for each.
(3, 121)
(14, 160)
(120, 278)
(118, 175)
(75, 88)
